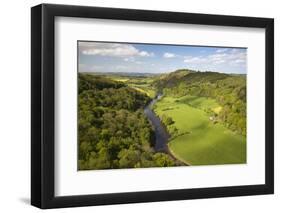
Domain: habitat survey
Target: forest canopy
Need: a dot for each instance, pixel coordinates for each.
(113, 130)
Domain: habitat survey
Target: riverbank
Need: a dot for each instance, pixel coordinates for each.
(161, 134)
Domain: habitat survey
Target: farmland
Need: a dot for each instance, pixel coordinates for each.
(196, 139)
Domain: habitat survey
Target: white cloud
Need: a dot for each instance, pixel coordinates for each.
(169, 55)
(147, 54)
(234, 57)
(111, 49)
(218, 58)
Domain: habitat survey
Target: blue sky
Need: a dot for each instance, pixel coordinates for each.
(156, 58)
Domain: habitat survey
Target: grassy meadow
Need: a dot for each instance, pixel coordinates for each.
(199, 140)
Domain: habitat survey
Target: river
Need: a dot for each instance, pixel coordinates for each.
(161, 135)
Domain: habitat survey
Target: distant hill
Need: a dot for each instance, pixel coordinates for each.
(189, 76)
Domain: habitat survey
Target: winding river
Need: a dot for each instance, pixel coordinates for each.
(161, 135)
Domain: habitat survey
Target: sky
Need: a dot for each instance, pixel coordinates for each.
(158, 58)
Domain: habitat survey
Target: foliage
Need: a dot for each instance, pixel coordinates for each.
(166, 120)
(113, 130)
(229, 91)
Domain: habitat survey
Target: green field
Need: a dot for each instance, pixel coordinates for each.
(141, 84)
(199, 140)
(206, 104)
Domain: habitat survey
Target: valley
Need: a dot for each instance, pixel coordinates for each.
(180, 118)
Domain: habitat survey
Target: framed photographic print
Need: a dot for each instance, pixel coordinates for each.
(139, 106)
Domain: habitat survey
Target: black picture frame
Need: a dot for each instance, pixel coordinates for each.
(43, 105)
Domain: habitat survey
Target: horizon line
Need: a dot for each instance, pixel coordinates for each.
(155, 73)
